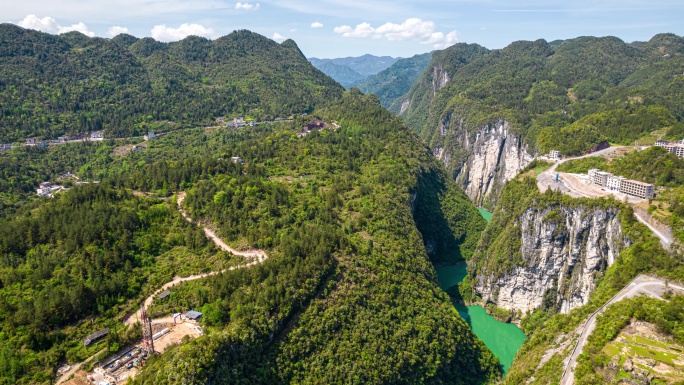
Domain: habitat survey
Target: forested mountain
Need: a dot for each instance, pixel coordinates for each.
(344, 75)
(395, 81)
(348, 294)
(350, 71)
(353, 296)
(598, 86)
(67, 84)
(365, 65)
(532, 97)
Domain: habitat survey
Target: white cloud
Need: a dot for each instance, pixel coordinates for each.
(247, 6)
(316, 24)
(50, 25)
(278, 37)
(361, 30)
(411, 29)
(164, 33)
(116, 30)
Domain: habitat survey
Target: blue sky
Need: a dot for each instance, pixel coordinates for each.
(338, 28)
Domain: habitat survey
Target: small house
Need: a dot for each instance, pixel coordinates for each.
(236, 159)
(163, 294)
(31, 141)
(97, 135)
(239, 122)
(662, 143)
(150, 135)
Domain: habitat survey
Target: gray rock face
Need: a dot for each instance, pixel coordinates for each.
(485, 160)
(564, 251)
(440, 78)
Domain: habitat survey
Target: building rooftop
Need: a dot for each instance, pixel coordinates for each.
(636, 182)
(193, 315)
(95, 336)
(163, 294)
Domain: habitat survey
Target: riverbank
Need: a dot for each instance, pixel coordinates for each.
(503, 339)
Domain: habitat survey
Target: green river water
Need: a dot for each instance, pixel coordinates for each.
(504, 340)
(485, 214)
(501, 338)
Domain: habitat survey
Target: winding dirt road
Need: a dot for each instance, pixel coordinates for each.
(650, 286)
(257, 257)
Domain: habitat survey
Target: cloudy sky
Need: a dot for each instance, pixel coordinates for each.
(336, 28)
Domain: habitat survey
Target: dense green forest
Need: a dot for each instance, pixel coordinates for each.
(339, 221)
(85, 255)
(395, 81)
(567, 95)
(348, 294)
(70, 84)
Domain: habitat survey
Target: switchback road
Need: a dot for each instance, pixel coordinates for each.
(650, 286)
(257, 257)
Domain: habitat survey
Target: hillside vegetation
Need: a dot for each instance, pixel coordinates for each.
(568, 96)
(498, 253)
(367, 307)
(68, 84)
(348, 294)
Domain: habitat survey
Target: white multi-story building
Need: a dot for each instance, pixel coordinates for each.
(621, 184)
(614, 182)
(601, 178)
(677, 149)
(637, 189)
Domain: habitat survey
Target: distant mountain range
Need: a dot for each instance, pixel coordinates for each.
(350, 71)
(395, 81)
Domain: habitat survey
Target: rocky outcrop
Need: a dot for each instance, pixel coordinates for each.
(564, 250)
(484, 160)
(440, 78)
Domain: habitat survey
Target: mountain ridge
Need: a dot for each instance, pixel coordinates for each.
(72, 84)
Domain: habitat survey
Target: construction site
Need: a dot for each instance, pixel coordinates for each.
(157, 336)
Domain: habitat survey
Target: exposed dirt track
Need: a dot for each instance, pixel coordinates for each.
(257, 257)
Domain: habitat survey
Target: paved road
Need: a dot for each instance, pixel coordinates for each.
(570, 184)
(652, 287)
(257, 256)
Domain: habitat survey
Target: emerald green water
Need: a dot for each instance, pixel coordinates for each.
(504, 340)
(485, 214)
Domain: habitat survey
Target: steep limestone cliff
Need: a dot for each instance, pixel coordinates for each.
(484, 161)
(558, 254)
